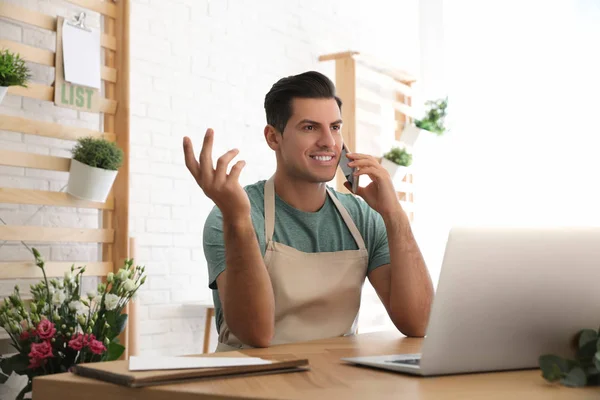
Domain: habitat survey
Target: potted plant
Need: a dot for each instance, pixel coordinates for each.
(396, 162)
(13, 72)
(93, 168)
(60, 327)
(583, 370)
(432, 122)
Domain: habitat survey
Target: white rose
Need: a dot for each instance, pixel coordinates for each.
(111, 301)
(78, 307)
(58, 297)
(129, 285)
(97, 300)
(123, 274)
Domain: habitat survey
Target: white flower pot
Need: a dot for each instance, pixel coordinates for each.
(90, 183)
(3, 91)
(397, 172)
(410, 135)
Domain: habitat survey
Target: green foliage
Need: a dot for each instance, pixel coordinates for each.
(434, 117)
(399, 156)
(584, 370)
(98, 153)
(13, 71)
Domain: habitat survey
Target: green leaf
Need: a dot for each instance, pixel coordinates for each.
(24, 391)
(586, 352)
(597, 360)
(120, 325)
(554, 367)
(114, 351)
(586, 336)
(3, 378)
(575, 378)
(17, 364)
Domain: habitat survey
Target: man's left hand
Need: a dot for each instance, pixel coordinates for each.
(380, 194)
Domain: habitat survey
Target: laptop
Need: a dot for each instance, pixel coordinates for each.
(506, 296)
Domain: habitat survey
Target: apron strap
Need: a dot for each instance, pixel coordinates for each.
(348, 220)
(270, 215)
(269, 210)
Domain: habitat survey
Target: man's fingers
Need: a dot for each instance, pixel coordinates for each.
(237, 169)
(190, 158)
(362, 163)
(205, 161)
(223, 162)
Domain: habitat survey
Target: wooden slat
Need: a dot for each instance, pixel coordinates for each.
(27, 16)
(49, 129)
(105, 8)
(337, 56)
(32, 160)
(49, 198)
(28, 270)
(29, 53)
(43, 92)
(44, 21)
(43, 234)
(46, 57)
(345, 81)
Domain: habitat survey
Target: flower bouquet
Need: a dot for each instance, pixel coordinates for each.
(61, 327)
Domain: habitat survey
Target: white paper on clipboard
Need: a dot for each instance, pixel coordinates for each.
(81, 55)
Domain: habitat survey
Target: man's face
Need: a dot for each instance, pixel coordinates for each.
(312, 140)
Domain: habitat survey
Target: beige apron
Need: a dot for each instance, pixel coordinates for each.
(317, 295)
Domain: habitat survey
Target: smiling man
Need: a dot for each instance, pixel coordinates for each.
(287, 257)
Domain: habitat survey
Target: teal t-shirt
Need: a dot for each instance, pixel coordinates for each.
(321, 231)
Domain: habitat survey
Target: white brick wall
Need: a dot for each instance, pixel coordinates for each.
(195, 64)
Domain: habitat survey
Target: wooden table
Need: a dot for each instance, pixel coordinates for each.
(329, 378)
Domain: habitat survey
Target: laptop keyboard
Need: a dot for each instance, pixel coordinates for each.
(410, 361)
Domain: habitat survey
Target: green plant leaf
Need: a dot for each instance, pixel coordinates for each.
(575, 378)
(3, 378)
(554, 367)
(114, 351)
(98, 153)
(17, 364)
(586, 352)
(597, 360)
(586, 336)
(24, 391)
(120, 324)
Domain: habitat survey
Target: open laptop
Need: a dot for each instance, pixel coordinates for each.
(506, 296)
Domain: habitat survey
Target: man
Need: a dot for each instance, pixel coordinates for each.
(287, 258)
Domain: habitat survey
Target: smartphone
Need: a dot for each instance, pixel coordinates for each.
(348, 171)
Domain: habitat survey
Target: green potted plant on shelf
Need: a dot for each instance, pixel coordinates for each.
(583, 370)
(93, 168)
(13, 72)
(396, 162)
(434, 122)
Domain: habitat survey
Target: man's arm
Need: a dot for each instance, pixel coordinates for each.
(245, 287)
(404, 286)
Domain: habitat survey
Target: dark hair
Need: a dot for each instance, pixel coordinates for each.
(308, 85)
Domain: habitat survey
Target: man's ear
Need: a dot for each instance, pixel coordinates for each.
(272, 137)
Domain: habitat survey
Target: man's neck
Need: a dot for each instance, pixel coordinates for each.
(302, 195)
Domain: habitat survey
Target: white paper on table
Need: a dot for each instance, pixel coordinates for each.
(146, 363)
(81, 55)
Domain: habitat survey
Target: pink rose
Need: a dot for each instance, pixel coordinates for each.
(97, 347)
(46, 329)
(88, 338)
(77, 342)
(24, 336)
(35, 363)
(41, 350)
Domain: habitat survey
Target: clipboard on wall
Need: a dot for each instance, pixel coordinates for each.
(70, 94)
